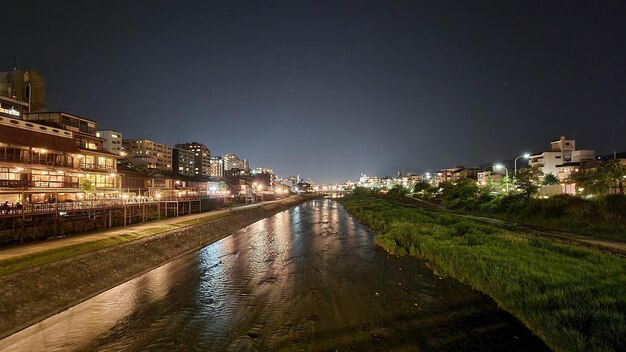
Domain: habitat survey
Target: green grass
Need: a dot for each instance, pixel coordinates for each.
(571, 296)
(599, 229)
(602, 217)
(12, 265)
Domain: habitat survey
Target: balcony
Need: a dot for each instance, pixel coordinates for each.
(25, 184)
(15, 184)
(51, 160)
(96, 167)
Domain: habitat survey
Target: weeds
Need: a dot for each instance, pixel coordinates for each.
(571, 296)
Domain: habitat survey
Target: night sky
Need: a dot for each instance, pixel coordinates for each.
(331, 89)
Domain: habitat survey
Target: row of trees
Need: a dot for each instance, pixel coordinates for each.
(608, 178)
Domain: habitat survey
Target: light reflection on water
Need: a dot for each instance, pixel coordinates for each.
(78, 325)
(309, 278)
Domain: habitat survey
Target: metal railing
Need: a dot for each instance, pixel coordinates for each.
(97, 167)
(54, 207)
(15, 183)
(47, 207)
(37, 184)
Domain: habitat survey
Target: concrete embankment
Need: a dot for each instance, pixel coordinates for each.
(33, 294)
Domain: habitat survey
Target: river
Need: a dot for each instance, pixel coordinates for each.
(306, 279)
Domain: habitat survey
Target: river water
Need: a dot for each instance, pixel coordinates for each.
(306, 279)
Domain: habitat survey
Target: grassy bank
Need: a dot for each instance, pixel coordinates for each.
(602, 217)
(573, 297)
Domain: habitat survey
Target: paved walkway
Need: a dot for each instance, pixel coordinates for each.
(27, 249)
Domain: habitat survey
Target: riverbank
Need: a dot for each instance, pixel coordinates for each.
(34, 293)
(573, 297)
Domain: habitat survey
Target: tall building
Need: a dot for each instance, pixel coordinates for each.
(184, 162)
(113, 141)
(151, 154)
(217, 166)
(26, 86)
(202, 157)
(233, 161)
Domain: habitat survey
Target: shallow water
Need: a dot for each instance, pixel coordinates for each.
(307, 279)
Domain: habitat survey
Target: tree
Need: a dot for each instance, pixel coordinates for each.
(425, 190)
(223, 186)
(527, 181)
(86, 185)
(550, 179)
(504, 184)
(398, 191)
(361, 191)
(612, 174)
(462, 193)
(609, 177)
(587, 182)
(488, 191)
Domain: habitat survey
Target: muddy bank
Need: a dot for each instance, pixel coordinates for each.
(33, 294)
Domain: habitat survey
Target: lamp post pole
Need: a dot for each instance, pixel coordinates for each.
(525, 155)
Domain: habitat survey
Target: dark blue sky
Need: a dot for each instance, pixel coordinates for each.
(330, 89)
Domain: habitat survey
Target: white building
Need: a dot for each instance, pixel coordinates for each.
(563, 151)
(233, 161)
(113, 141)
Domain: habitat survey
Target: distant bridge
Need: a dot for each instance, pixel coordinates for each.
(339, 192)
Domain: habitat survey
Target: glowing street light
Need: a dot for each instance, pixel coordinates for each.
(525, 156)
(500, 167)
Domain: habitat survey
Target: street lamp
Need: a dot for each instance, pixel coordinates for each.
(500, 167)
(525, 156)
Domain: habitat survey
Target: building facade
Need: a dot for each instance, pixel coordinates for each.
(217, 166)
(202, 156)
(149, 154)
(184, 162)
(113, 141)
(25, 86)
(40, 163)
(562, 152)
(12, 108)
(233, 161)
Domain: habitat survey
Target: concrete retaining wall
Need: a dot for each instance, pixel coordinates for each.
(34, 294)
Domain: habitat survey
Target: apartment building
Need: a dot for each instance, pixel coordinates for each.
(149, 154)
(233, 161)
(184, 162)
(112, 141)
(202, 156)
(217, 166)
